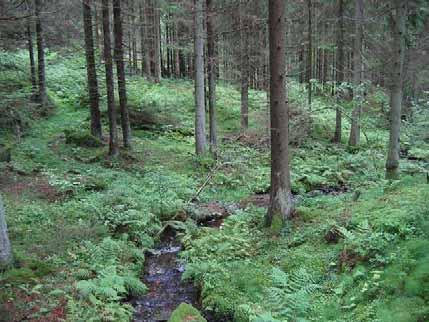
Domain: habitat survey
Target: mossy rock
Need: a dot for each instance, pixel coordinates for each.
(5, 155)
(186, 313)
(83, 139)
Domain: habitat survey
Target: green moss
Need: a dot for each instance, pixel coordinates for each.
(83, 139)
(186, 313)
(276, 224)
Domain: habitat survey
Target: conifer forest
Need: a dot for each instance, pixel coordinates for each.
(214, 160)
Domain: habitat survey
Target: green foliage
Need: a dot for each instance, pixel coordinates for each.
(108, 272)
(105, 214)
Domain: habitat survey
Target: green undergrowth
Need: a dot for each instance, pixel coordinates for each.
(80, 222)
(337, 260)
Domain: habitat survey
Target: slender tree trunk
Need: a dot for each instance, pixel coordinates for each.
(398, 26)
(340, 70)
(142, 39)
(280, 194)
(244, 56)
(301, 65)
(147, 40)
(200, 135)
(42, 98)
(31, 57)
(97, 31)
(111, 110)
(5, 249)
(91, 70)
(177, 51)
(357, 75)
(310, 52)
(134, 38)
(157, 44)
(211, 54)
(120, 70)
(130, 40)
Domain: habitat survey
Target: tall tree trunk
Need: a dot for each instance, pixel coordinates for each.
(108, 63)
(398, 26)
(91, 70)
(177, 51)
(280, 194)
(31, 57)
(340, 70)
(244, 56)
(200, 135)
(211, 62)
(142, 39)
(301, 64)
(120, 70)
(357, 74)
(310, 52)
(147, 39)
(134, 38)
(5, 249)
(157, 43)
(98, 31)
(41, 98)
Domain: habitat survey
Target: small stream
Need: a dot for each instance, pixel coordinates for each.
(163, 272)
(163, 276)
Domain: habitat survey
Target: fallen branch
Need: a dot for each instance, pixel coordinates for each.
(195, 196)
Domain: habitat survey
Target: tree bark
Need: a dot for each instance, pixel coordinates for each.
(142, 39)
(134, 38)
(200, 135)
(41, 97)
(31, 57)
(211, 57)
(5, 249)
(157, 44)
(280, 194)
(120, 70)
(91, 70)
(98, 31)
(357, 74)
(108, 63)
(310, 53)
(147, 40)
(398, 27)
(244, 56)
(340, 70)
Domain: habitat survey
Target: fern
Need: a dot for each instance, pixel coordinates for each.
(289, 297)
(134, 286)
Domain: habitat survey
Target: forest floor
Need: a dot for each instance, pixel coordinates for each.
(80, 224)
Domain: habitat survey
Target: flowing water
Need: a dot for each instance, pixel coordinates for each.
(163, 276)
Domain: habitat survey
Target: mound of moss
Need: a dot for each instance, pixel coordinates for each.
(83, 139)
(186, 313)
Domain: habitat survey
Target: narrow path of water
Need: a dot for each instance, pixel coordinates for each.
(163, 276)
